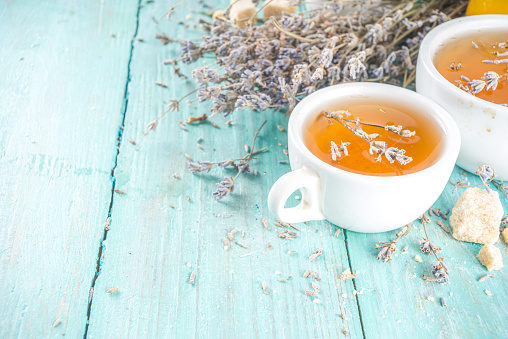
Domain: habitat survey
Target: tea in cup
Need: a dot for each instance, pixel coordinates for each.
(367, 157)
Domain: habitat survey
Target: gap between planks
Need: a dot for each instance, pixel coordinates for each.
(112, 175)
(354, 284)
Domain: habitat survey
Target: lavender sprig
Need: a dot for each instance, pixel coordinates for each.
(388, 248)
(226, 186)
(377, 147)
(439, 269)
(428, 247)
(487, 175)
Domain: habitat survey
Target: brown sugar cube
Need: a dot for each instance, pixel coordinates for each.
(276, 7)
(476, 216)
(490, 257)
(505, 235)
(241, 12)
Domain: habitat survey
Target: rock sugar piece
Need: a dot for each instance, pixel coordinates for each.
(505, 235)
(490, 257)
(241, 12)
(476, 216)
(276, 7)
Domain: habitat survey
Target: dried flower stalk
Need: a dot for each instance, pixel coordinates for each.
(439, 269)
(388, 247)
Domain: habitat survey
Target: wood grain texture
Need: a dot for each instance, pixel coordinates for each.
(150, 242)
(395, 302)
(62, 86)
(64, 69)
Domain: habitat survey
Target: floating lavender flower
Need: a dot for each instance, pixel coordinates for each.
(393, 153)
(340, 114)
(336, 150)
(343, 148)
(491, 78)
(476, 86)
(224, 188)
(377, 148)
(398, 130)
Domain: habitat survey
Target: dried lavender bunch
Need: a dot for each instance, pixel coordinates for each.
(388, 247)
(275, 64)
(439, 269)
(377, 147)
(226, 186)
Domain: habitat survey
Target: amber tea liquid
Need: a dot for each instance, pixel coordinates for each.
(424, 147)
(470, 58)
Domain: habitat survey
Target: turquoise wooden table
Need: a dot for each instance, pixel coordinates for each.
(76, 83)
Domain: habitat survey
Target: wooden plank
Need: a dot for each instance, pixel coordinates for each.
(150, 242)
(395, 302)
(62, 86)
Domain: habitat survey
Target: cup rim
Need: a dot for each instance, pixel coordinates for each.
(451, 134)
(454, 29)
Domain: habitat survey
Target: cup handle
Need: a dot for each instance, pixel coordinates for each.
(309, 207)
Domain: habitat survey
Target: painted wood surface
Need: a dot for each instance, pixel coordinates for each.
(86, 86)
(62, 83)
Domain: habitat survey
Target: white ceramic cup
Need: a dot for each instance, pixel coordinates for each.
(356, 202)
(483, 125)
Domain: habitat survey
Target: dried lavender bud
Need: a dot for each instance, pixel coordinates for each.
(491, 275)
(393, 153)
(208, 93)
(387, 250)
(486, 174)
(428, 247)
(440, 271)
(206, 166)
(193, 167)
(224, 188)
(476, 86)
(226, 163)
(243, 166)
(398, 130)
